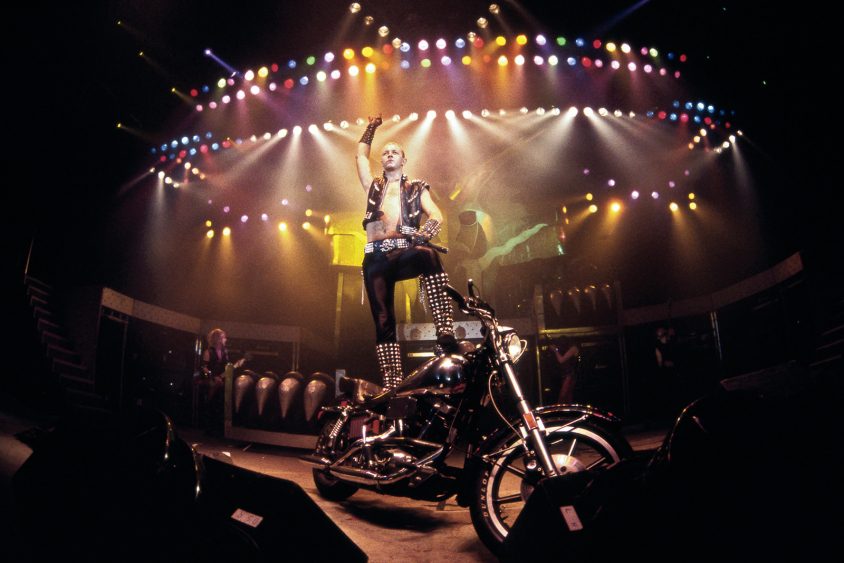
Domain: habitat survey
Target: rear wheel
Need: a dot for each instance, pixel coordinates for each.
(503, 485)
(330, 487)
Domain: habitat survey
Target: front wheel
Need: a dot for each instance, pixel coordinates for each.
(329, 487)
(503, 485)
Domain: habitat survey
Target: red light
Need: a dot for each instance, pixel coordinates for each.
(387, 48)
(274, 67)
(479, 43)
(194, 92)
(661, 115)
(596, 43)
(684, 118)
(288, 83)
(586, 61)
(683, 58)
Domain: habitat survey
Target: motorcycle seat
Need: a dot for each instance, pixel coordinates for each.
(365, 392)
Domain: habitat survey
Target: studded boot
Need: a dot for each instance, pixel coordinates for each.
(389, 363)
(439, 304)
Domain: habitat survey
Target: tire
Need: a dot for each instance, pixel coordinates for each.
(500, 492)
(329, 487)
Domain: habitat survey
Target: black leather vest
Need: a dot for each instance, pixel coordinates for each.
(411, 200)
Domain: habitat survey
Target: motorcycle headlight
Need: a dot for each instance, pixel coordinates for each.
(514, 346)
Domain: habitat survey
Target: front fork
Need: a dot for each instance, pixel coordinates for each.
(535, 435)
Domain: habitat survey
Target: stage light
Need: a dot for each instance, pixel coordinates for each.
(615, 207)
(593, 208)
(615, 65)
(459, 43)
(611, 47)
(588, 112)
(321, 76)
(221, 83)
(540, 111)
(405, 65)
(354, 7)
(383, 31)
(425, 63)
(467, 114)
(484, 113)
(265, 217)
(366, 51)
(423, 45)
(631, 66)
(625, 48)
(673, 207)
(297, 130)
(634, 194)
(244, 218)
(210, 233)
(561, 41)
(282, 227)
(368, 20)
(282, 133)
(249, 76)
(255, 90)
(370, 68)
(692, 205)
(471, 36)
(198, 108)
(348, 54)
(308, 188)
(500, 41)
(502, 112)
(482, 23)
(344, 124)
(552, 60)
(396, 43)
(466, 60)
(589, 196)
(309, 212)
(227, 231)
(538, 60)
(288, 83)
(523, 110)
(306, 225)
(441, 44)
(313, 129)
(494, 9)
(446, 60)
(521, 39)
(335, 74)
(555, 111)
(161, 175)
(405, 47)
(431, 114)
(354, 70)
(599, 63)
(396, 118)
(617, 113)
(603, 112)
(502, 60)
(519, 60)
(413, 116)
(285, 201)
(304, 81)
(449, 114)
(655, 195)
(611, 182)
(647, 68)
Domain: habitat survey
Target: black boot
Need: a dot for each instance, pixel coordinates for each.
(440, 305)
(389, 363)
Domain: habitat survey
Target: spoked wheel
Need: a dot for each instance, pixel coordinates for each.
(330, 487)
(502, 489)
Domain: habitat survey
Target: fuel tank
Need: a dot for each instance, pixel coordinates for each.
(442, 375)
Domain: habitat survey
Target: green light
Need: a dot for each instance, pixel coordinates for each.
(561, 41)
(311, 60)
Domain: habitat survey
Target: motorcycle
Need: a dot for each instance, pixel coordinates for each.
(398, 441)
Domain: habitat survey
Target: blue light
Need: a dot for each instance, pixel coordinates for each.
(405, 64)
(215, 146)
(208, 135)
(185, 140)
(164, 147)
(195, 138)
(405, 47)
(689, 105)
(696, 119)
(700, 106)
(192, 151)
(571, 61)
(174, 144)
(291, 63)
(650, 114)
(303, 81)
(172, 156)
(673, 117)
(670, 56)
(676, 103)
(153, 150)
(579, 42)
(710, 109)
(205, 89)
(460, 43)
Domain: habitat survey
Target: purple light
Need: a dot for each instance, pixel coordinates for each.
(244, 218)
(611, 182)
(671, 184)
(585, 171)
(655, 195)
(308, 188)
(226, 209)
(634, 194)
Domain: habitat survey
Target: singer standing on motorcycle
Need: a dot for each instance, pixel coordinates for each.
(395, 206)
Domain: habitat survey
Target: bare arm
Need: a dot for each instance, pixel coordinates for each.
(364, 149)
(570, 353)
(430, 208)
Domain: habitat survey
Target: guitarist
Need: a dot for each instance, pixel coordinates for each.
(213, 366)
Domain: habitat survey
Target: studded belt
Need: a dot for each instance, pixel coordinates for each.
(386, 245)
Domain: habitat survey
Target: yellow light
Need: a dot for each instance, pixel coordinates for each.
(309, 212)
(210, 233)
(327, 219)
(221, 83)
(366, 52)
(208, 223)
(500, 41)
(502, 61)
(589, 197)
(692, 205)
(593, 208)
(611, 47)
(467, 60)
(425, 63)
(691, 195)
(282, 226)
(673, 206)
(306, 225)
(227, 231)
(615, 207)
(370, 68)
(521, 39)
(565, 209)
(263, 72)
(348, 54)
